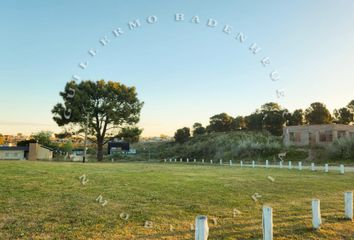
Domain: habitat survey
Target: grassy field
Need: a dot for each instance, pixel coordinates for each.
(42, 200)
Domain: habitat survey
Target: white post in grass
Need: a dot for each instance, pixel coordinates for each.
(312, 166)
(280, 164)
(267, 163)
(201, 228)
(187, 160)
(316, 214)
(180, 159)
(195, 160)
(175, 159)
(300, 166)
(165, 160)
(326, 167)
(348, 202)
(253, 164)
(290, 166)
(341, 169)
(170, 160)
(220, 161)
(267, 222)
(230, 162)
(203, 160)
(241, 163)
(211, 161)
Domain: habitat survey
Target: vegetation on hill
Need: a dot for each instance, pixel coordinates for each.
(270, 117)
(230, 145)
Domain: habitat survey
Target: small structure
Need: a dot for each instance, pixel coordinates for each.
(13, 153)
(77, 154)
(33, 151)
(39, 152)
(116, 146)
(323, 134)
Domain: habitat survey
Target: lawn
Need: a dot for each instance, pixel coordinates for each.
(46, 200)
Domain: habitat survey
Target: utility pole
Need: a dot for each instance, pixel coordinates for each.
(85, 143)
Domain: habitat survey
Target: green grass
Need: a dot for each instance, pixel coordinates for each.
(43, 200)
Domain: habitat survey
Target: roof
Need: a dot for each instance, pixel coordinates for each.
(330, 126)
(7, 148)
(48, 148)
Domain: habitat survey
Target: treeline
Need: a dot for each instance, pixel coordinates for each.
(270, 117)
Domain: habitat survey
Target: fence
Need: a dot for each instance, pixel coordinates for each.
(202, 229)
(326, 168)
(201, 222)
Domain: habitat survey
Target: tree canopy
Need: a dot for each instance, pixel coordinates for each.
(220, 123)
(198, 129)
(182, 135)
(318, 113)
(130, 134)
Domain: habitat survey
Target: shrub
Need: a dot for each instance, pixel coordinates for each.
(342, 148)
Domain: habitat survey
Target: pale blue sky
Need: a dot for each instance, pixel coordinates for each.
(184, 72)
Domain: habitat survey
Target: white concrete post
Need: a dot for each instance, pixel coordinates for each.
(316, 214)
(175, 160)
(267, 163)
(253, 164)
(348, 202)
(211, 161)
(201, 228)
(195, 160)
(267, 222)
(326, 167)
(241, 163)
(187, 160)
(230, 162)
(313, 167)
(341, 168)
(290, 166)
(280, 164)
(220, 161)
(300, 166)
(165, 160)
(170, 160)
(203, 160)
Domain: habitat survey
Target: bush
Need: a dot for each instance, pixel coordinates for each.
(342, 148)
(230, 145)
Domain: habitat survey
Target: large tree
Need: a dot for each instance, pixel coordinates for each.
(273, 118)
(318, 113)
(239, 123)
(182, 135)
(220, 123)
(351, 105)
(198, 129)
(254, 122)
(296, 118)
(43, 138)
(130, 134)
(344, 115)
(104, 107)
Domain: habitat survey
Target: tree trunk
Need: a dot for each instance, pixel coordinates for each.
(99, 151)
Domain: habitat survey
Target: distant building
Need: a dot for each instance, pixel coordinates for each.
(33, 151)
(323, 134)
(116, 146)
(77, 155)
(39, 152)
(13, 153)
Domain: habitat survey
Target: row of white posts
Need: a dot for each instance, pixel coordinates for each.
(290, 166)
(202, 229)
